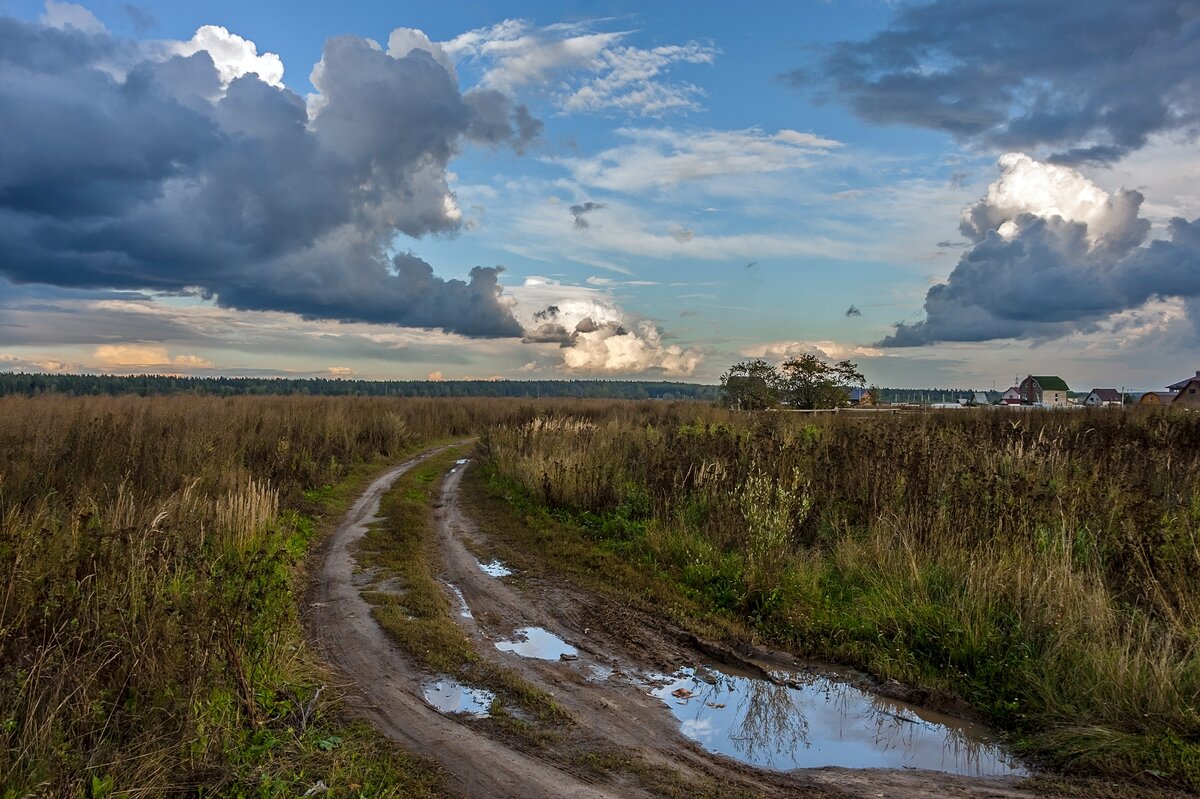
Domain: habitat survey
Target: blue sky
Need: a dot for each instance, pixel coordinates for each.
(668, 189)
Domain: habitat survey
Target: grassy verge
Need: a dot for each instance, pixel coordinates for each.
(865, 602)
(152, 555)
(403, 549)
(308, 739)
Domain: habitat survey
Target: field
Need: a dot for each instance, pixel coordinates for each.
(151, 575)
(153, 554)
(1042, 567)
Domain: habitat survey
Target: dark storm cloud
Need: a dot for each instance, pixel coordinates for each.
(1090, 79)
(1049, 280)
(40, 316)
(579, 212)
(157, 180)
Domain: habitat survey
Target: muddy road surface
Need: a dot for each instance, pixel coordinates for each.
(696, 717)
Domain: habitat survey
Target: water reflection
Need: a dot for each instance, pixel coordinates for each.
(815, 721)
(494, 568)
(464, 610)
(536, 642)
(451, 696)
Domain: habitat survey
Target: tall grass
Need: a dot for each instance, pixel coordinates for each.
(1044, 567)
(149, 641)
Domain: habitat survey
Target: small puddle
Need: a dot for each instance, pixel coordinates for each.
(822, 722)
(451, 696)
(535, 642)
(458, 464)
(464, 610)
(494, 568)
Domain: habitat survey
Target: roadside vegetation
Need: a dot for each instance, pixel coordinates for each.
(151, 555)
(153, 551)
(1043, 568)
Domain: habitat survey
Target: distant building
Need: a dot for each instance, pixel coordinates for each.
(1182, 383)
(979, 398)
(1103, 398)
(1188, 395)
(1157, 398)
(1012, 396)
(1048, 390)
(861, 396)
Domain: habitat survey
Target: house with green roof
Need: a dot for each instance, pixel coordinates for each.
(1048, 390)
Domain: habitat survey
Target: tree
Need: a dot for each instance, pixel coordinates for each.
(807, 382)
(751, 386)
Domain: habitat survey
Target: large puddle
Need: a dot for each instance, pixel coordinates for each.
(451, 696)
(535, 642)
(822, 722)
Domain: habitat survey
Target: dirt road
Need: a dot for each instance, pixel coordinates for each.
(618, 654)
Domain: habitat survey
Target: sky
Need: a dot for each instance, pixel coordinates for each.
(946, 193)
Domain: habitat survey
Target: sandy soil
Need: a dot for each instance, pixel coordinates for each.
(610, 713)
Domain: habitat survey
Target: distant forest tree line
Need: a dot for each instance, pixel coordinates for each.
(28, 384)
(31, 384)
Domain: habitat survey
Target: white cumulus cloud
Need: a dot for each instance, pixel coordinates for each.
(593, 335)
(1045, 191)
(232, 55)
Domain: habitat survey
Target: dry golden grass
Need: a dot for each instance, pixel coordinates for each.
(149, 641)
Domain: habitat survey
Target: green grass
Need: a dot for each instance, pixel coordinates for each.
(1020, 580)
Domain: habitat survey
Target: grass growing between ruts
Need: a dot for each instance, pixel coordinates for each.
(403, 547)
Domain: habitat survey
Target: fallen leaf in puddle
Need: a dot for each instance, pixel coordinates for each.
(717, 705)
(682, 693)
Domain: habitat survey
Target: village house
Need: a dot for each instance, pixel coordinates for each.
(1048, 390)
(1177, 387)
(1012, 396)
(1157, 398)
(1188, 395)
(1103, 398)
(861, 396)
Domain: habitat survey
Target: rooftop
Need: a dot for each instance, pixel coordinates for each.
(1051, 382)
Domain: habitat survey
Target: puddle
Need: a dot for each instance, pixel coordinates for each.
(461, 461)
(464, 610)
(535, 642)
(361, 578)
(598, 673)
(494, 568)
(450, 696)
(822, 722)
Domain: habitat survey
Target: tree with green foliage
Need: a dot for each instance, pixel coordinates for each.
(751, 385)
(807, 382)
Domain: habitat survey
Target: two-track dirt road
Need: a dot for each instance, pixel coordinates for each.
(605, 690)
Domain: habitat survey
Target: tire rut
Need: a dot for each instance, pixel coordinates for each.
(612, 714)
